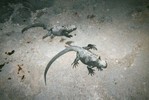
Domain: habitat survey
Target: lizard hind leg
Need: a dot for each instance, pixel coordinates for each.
(92, 46)
(48, 34)
(75, 62)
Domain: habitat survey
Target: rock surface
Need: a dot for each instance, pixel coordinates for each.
(118, 28)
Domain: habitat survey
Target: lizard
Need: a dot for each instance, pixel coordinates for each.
(84, 55)
(64, 30)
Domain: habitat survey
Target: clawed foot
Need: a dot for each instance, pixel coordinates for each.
(92, 46)
(99, 68)
(75, 64)
(69, 36)
(91, 71)
(45, 36)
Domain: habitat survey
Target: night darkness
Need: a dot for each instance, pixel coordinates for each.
(118, 28)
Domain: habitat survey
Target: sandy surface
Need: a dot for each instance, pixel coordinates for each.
(119, 29)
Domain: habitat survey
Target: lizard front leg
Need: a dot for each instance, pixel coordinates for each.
(75, 62)
(69, 36)
(90, 70)
(66, 33)
(99, 68)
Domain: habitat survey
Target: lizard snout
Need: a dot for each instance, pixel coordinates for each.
(103, 64)
(73, 27)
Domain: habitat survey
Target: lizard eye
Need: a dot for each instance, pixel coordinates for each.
(99, 58)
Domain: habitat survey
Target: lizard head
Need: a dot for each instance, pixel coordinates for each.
(71, 28)
(101, 63)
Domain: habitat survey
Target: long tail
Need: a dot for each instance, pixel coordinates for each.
(34, 25)
(54, 58)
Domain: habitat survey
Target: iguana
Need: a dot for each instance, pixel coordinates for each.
(84, 55)
(55, 30)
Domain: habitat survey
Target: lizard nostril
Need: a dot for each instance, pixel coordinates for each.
(106, 65)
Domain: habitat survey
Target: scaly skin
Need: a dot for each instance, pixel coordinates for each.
(84, 55)
(55, 30)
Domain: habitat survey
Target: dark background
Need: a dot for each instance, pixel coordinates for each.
(118, 28)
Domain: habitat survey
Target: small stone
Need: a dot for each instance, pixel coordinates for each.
(116, 61)
(121, 76)
(104, 38)
(125, 68)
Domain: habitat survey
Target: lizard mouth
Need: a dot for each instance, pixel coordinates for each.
(74, 28)
(105, 66)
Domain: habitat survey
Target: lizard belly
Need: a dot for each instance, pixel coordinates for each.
(57, 33)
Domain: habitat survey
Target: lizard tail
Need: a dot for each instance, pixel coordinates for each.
(34, 25)
(54, 58)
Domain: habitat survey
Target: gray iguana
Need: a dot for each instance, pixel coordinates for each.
(84, 55)
(54, 31)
